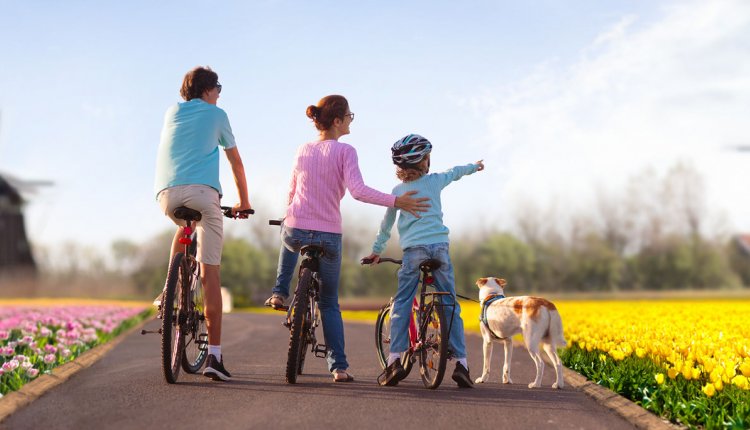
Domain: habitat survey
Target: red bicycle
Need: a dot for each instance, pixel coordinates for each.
(429, 328)
(184, 338)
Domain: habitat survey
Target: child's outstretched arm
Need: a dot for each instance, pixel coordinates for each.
(383, 235)
(458, 172)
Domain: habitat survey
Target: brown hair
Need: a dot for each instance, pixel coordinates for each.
(197, 81)
(412, 173)
(328, 109)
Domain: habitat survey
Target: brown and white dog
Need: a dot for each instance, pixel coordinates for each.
(534, 317)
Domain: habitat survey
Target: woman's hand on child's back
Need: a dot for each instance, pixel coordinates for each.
(412, 205)
(480, 163)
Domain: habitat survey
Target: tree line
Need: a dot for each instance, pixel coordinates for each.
(657, 234)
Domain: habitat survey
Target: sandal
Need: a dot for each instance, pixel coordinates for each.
(341, 375)
(275, 301)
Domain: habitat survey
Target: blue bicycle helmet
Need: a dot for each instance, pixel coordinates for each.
(410, 150)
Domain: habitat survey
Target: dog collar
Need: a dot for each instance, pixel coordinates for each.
(483, 315)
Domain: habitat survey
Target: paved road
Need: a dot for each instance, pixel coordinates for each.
(126, 390)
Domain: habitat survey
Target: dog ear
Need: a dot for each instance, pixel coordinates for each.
(481, 282)
(502, 282)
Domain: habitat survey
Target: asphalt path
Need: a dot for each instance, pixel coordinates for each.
(126, 390)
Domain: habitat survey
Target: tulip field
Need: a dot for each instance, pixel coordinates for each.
(687, 361)
(36, 338)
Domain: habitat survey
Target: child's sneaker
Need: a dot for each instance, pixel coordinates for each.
(392, 374)
(215, 369)
(461, 376)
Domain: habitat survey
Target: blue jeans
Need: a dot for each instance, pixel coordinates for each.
(408, 284)
(292, 240)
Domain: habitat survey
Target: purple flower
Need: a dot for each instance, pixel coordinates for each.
(31, 372)
(49, 358)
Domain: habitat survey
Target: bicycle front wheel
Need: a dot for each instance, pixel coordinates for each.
(172, 333)
(433, 354)
(297, 334)
(383, 340)
(196, 337)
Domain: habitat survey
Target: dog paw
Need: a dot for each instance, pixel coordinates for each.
(479, 380)
(507, 380)
(554, 385)
(533, 385)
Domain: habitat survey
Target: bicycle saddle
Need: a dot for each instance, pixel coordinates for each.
(311, 248)
(430, 264)
(187, 214)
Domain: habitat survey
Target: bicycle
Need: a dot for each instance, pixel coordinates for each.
(184, 337)
(303, 315)
(428, 331)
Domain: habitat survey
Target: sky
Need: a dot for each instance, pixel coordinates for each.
(560, 99)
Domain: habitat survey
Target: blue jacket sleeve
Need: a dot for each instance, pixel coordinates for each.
(385, 231)
(454, 174)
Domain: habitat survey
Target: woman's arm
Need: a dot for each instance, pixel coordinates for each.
(356, 186)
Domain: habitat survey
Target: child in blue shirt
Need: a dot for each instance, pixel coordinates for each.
(421, 238)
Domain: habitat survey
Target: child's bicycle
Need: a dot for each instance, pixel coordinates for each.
(302, 315)
(184, 338)
(429, 328)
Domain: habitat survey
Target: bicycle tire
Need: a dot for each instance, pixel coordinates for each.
(305, 344)
(433, 356)
(172, 336)
(297, 335)
(196, 342)
(383, 340)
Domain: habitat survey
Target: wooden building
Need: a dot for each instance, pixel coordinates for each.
(15, 250)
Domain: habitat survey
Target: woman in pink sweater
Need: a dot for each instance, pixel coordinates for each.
(323, 171)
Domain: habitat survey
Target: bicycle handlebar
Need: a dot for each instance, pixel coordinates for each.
(239, 214)
(382, 260)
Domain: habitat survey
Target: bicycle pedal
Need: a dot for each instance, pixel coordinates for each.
(320, 351)
(202, 342)
(287, 324)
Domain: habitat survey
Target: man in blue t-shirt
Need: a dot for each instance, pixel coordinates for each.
(187, 174)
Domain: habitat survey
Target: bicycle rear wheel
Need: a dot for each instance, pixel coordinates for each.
(433, 355)
(297, 334)
(196, 337)
(383, 340)
(172, 333)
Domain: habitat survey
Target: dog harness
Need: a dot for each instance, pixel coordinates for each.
(483, 315)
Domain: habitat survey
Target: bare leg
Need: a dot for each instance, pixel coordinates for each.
(211, 280)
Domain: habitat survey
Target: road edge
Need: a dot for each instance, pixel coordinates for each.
(16, 400)
(629, 410)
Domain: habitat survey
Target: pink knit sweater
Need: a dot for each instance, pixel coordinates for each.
(322, 172)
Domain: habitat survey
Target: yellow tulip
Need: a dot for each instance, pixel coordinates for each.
(745, 368)
(659, 378)
(741, 382)
(719, 385)
(696, 373)
(672, 373)
(709, 390)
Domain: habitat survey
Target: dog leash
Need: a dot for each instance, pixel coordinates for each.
(466, 298)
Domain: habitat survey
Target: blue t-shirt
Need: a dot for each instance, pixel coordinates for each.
(189, 148)
(429, 228)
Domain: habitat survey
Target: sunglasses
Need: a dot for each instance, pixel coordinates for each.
(218, 87)
(350, 115)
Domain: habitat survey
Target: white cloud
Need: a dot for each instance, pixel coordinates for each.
(640, 95)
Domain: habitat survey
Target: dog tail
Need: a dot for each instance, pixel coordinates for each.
(556, 329)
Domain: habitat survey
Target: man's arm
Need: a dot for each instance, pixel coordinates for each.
(238, 171)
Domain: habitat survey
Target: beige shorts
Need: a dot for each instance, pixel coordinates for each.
(210, 228)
